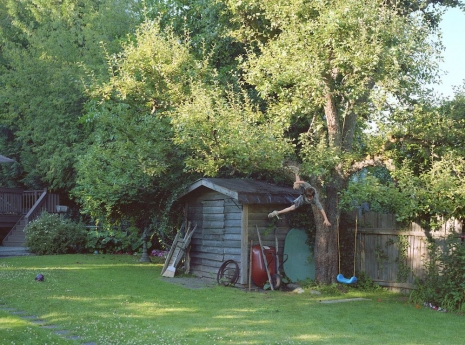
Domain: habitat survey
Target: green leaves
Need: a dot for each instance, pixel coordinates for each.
(47, 52)
(326, 69)
(125, 167)
(425, 147)
(226, 133)
(49, 234)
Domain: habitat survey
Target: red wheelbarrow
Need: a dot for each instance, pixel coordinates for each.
(265, 266)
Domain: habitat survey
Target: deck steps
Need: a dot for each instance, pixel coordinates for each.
(18, 207)
(6, 252)
(17, 236)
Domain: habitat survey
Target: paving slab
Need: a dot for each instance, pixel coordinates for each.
(6, 252)
(344, 300)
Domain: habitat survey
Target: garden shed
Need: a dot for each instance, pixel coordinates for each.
(227, 213)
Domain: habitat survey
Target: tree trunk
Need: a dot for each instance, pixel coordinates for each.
(334, 134)
(326, 248)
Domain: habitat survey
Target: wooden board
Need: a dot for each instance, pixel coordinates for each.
(177, 252)
(300, 263)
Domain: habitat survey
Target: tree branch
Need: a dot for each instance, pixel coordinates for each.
(369, 161)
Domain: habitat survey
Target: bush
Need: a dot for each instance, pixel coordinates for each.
(365, 283)
(50, 234)
(114, 241)
(444, 282)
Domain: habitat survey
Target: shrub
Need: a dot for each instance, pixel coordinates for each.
(365, 283)
(113, 241)
(50, 234)
(444, 282)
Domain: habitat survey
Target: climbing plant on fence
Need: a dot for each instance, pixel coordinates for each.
(444, 282)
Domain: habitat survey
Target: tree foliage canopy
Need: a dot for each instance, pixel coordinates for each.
(46, 50)
(329, 68)
(118, 104)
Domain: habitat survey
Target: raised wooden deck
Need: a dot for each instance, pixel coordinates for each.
(17, 208)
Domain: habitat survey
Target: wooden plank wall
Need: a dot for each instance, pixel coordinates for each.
(218, 234)
(258, 217)
(378, 241)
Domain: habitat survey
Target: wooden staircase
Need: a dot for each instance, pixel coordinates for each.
(16, 237)
(39, 201)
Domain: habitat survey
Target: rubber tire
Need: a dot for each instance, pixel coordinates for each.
(232, 279)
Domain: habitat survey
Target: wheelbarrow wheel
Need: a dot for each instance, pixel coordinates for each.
(276, 280)
(228, 274)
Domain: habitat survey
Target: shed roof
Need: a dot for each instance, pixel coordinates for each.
(246, 191)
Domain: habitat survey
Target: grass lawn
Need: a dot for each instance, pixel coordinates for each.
(113, 299)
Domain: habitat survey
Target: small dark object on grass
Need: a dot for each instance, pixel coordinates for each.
(40, 278)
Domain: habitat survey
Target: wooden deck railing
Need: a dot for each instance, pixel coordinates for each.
(14, 201)
(39, 206)
(30, 197)
(11, 201)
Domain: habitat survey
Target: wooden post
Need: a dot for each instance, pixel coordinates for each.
(250, 265)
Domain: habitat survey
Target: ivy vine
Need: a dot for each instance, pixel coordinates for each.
(404, 270)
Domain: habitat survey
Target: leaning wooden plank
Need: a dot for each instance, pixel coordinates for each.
(177, 252)
(187, 256)
(169, 268)
(170, 253)
(169, 272)
(174, 259)
(182, 245)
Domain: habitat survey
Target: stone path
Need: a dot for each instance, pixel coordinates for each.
(42, 323)
(22, 251)
(344, 300)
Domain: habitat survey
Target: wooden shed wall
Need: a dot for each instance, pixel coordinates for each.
(224, 230)
(258, 217)
(218, 234)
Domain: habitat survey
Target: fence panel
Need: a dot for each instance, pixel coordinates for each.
(391, 256)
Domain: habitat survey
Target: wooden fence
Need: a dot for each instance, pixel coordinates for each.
(392, 256)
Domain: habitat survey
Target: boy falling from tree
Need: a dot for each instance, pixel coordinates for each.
(308, 195)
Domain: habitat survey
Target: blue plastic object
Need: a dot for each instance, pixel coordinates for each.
(340, 278)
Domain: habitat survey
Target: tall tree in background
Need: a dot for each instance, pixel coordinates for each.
(426, 146)
(167, 118)
(206, 23)
(326, 68)
(132, 165)
(46, 51)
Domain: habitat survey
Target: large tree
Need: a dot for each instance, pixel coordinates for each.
(132, 166)
(427, 149)
(162, 119)
(326, 69)
(46, 54)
